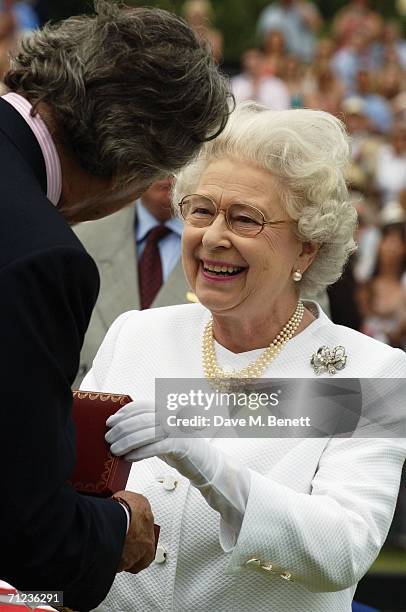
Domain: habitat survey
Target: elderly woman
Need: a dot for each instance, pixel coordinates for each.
(264, 524)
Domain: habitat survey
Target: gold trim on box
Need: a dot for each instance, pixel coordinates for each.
(99, 486)
(103, 397)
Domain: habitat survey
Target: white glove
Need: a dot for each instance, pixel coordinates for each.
(137, 433)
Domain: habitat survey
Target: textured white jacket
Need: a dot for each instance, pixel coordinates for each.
(318, 510)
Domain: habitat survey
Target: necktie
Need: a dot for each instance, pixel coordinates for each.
(150, 268)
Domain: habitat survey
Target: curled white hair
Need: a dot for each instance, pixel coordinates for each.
(307, 151)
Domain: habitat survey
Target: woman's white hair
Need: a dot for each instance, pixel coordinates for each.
(307, 151)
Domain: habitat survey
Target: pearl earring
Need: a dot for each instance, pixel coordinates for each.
(297, 276)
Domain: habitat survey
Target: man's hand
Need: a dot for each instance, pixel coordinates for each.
(139, 546)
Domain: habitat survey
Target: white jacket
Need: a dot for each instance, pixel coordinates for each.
(318, 510)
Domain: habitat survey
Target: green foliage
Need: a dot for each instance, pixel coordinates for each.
(329, 8)
(235, 18)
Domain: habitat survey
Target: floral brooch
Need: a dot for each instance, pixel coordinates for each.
(328, 360)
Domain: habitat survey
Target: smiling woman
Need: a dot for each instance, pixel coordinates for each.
(266, 216)
(292, 164)
(247, 246)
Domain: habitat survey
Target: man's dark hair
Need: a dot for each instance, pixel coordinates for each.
(132, 91)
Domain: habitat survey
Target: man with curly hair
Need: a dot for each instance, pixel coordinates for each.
(98, 108)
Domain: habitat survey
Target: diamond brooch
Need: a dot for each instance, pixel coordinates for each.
(329, 360)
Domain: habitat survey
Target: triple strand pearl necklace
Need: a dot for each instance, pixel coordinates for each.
(256, 368)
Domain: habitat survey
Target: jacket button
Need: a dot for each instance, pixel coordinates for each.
(267, 567)
(253, 562)
(168, 482)
(160, 556)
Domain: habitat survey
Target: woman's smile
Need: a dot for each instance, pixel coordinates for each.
(220, 271)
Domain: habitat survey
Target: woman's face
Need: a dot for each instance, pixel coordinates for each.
(392, 249)
(263, 264)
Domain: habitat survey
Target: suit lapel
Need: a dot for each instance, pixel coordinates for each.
(118, 267)
(114, 249)
(174, 290)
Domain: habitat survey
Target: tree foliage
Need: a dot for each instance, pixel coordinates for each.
(235, 18)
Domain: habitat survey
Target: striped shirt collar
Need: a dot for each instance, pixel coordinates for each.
(41, 132)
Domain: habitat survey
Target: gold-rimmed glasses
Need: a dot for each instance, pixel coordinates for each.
(242, 219)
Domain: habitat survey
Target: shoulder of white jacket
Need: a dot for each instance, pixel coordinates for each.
(364, 347)
(172, 314)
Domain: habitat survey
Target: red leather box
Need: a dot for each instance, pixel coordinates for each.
(97, 472)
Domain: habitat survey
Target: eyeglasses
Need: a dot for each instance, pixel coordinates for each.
(241, 219)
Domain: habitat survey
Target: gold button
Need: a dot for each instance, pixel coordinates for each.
(287, 576)
(254, 562)
(267, 567)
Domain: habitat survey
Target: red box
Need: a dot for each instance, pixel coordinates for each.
(97, 472)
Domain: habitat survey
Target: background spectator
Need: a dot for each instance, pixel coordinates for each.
(328, 91)
(393, 41)
(375, 106)
(383, 298)
(254, 84)
(391, 165)
(8, 33)
(199, 15)
(299, 20)
(354, 17)
(125, 246)
(296, 81)
(274, 47)
(25, 16)
(17, 17)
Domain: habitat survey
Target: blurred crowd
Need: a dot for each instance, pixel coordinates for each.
(17, 18)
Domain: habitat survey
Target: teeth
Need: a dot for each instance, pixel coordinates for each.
(229, 269)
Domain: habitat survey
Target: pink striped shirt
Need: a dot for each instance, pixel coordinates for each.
(41, 132)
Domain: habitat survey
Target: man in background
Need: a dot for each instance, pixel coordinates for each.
(137, 252)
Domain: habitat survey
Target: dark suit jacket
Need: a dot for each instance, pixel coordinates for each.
(51, 538)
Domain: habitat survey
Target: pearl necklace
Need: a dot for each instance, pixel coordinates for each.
(256, 368)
